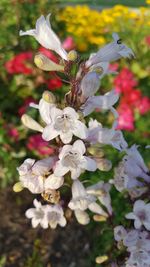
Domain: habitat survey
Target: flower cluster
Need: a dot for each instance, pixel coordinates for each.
(136, 241)
(78, 140)
(132, 99)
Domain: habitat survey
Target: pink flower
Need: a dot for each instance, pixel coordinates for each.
(25, 105)
(48, 53)
(18, 64)
(68, 43)
(36, 143)
(13, 133)
(126, 118)
(113, 66)
(144, 105)
(54, 83)
(125, 81)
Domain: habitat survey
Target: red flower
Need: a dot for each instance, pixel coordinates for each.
(144, 105)
(18, 64)
(36, 143)
(13, 133)
(54, 84)
(125, 81)
(126, 118)
(25, 105)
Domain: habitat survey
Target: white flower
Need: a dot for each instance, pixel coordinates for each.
(111, 52)
(32, 174)
(101, 191)
(38, 215)
(119, 233)
(72, 159)
(98, 134)
(55, 215)
(53, 182)
(81, 200)
(46, 215)
(137, 240)
(44, 108)
(44, 34)
(139, 258)
(131, 238)
(104, 102)
(122, 180)
(66, 124)
(90, 84)
(134, 164)
(140, 214)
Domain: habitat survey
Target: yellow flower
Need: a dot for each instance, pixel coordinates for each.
(89, 27)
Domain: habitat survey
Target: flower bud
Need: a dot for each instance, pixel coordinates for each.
(17, 187)
(104, 164)
(90, 84)
(49, 97)
(99, 218)
(101, 259)
(72, 55)
(31, 123)
(96, 151)
(44, 63)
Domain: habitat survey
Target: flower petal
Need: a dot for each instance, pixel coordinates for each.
(60, 170)
(89, 164)
(49, 133)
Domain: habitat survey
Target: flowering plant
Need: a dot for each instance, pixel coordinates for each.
(78, 142)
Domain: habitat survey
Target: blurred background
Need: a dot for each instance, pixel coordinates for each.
(84, 26)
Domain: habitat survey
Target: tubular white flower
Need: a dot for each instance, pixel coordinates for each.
(64, 123)
(140, 214)
(72, 159)
(44, 34)
(44, 108)
(53, 182)
(38, 215)
(32, 174)
(98, 134)
(80, 199)
(134, 164)
(104, 102)
(90, 84)
(110, 52)
(55, 215)
(119, 233)
(101, 191)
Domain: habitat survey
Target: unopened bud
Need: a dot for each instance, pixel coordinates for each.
(31, 123)
(90, 84)
(44, 63)
(49, 97)
(97, 151)
(101, 259)
(99, 218)
(72, 55)
(104, 164)
(17, 187)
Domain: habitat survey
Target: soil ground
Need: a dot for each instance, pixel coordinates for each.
(23, 246)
